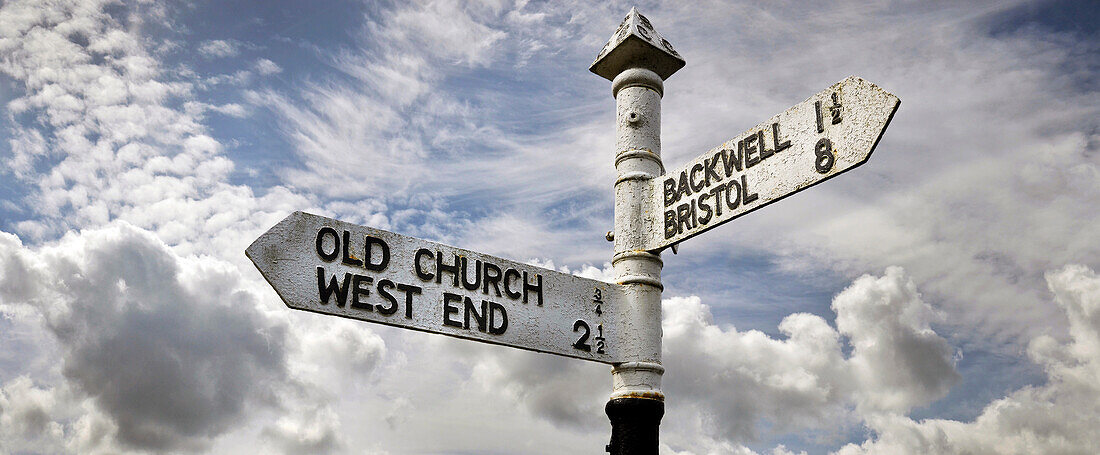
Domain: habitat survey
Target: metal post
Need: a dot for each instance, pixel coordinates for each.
(637, 403)
(637, 60)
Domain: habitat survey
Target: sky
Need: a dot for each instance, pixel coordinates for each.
(941, 298)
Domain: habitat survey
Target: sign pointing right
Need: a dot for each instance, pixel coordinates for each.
(829, 133)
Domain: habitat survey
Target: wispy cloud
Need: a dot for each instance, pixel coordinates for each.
(218, 49)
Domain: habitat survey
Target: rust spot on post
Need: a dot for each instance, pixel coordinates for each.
(648, 395)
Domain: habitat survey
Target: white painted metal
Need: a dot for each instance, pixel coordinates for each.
(850, 117)
(289, 257)
(637, 44)
(637, 60)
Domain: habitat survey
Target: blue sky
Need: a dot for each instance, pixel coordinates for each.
(942, 298)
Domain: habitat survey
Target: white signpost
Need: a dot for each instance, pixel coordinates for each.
(829, 133)
(331, 267)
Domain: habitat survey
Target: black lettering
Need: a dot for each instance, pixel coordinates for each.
(717, 193)
(449, 309)
(382, 285)
(820, 123)
(670, 223)
(779, 146)
(477, 275)
(835, 109)
(528, 287)
(764, 152)
(670, 198)
(348, 258)
(497, 314)
(694, 215)
(368, 258)
(695, 170)
(746, 198)
(328, 257)
(480, 318)
(440, 267)
(733, 201)
(682, 213)
(409, 290)
(732, 159)
(420, 273)
(683, 188)
(511, 275)
(341, 290)
(749, 148)
(357, 290)
(711, 167)
(582, 342)
(492, 276)
(823, 156)
(705, 207)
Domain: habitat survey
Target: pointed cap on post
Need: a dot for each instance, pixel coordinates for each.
(637, 44)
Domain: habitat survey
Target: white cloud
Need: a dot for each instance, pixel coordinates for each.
(727, 387)
(239, 78)
(231, 109)
(399, 130)
(27, 145)
(899, 361)
(1059, 416)
(314, 431)
(218, 49)
(453, 30)
(732, 385)
(267, 67)
(25, 416)
(118, 138)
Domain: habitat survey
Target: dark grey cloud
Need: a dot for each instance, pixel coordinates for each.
(174, 352)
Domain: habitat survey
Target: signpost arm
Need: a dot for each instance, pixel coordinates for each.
(637, 60)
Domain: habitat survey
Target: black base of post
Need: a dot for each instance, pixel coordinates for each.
(635, 425)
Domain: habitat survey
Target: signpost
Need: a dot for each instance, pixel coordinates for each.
(829, 133)
(637, 60)
(331, 267)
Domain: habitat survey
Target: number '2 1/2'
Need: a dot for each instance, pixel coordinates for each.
(586, 331)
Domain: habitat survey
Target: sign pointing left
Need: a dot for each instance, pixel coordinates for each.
(331, 267)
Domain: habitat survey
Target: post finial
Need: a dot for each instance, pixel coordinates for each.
(636, 44)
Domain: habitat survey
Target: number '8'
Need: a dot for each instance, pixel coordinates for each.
(823, 155)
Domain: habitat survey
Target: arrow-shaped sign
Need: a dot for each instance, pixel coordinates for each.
(829, 133)
(327, 266)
